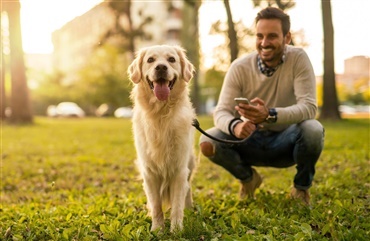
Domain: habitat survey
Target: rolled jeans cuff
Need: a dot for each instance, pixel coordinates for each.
(302, 187)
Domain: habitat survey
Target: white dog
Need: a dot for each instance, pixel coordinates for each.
(162, 129)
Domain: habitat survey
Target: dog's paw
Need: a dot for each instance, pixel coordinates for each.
(157, 225)
(176, 226)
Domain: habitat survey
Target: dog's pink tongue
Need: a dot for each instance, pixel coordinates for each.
(161, 92)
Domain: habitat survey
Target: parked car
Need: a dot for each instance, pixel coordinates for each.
(123, 112)
(65, 109)
(51, 111)
(347, 109)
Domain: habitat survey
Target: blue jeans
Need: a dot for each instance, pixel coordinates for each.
(300, 144)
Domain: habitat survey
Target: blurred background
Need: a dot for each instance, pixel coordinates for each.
(69, 58)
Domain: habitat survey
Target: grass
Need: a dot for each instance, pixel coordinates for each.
(75, 179)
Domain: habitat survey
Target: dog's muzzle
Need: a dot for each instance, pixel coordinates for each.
(161, 86)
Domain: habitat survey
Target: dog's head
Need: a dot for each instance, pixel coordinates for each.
(161, 67)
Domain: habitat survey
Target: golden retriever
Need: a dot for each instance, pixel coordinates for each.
(162, 128)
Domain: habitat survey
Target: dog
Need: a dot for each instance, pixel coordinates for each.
(162, 129)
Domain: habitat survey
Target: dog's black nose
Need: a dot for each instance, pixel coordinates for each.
(161, 67)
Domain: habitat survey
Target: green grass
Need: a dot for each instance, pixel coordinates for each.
(75, 179)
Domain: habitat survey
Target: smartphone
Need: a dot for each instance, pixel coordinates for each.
(243, 100)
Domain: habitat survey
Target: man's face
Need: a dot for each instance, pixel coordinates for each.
(270, 41)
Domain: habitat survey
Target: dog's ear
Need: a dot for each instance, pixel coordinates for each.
(187, 67)
(134, 70)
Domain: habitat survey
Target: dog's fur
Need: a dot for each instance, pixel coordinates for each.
(162, 130)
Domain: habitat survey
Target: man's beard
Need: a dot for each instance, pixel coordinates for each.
(276, 56)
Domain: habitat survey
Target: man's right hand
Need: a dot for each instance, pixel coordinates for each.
(243, 129)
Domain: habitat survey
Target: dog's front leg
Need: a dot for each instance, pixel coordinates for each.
(152, 190)
(178, 191)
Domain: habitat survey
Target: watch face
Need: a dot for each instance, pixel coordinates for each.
(272, 112)
(272, 117)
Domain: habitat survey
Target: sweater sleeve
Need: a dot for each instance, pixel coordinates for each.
(304, 91)
(225, 113)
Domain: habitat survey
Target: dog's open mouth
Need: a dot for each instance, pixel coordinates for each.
(171, 83)
(160, 89)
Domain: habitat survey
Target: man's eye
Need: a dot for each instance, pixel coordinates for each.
(272, 36)
(171, 60)
(150, 60)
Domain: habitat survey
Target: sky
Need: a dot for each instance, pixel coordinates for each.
(350, 20)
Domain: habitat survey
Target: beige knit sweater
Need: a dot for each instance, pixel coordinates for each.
(291, 89)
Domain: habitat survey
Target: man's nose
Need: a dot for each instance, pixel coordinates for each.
(264, 42)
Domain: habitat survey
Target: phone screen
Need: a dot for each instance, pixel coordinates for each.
(242, 100)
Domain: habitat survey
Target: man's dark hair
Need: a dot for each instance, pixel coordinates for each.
(275, 13)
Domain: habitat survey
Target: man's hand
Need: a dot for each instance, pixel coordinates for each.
(255, 113)
(244, 129)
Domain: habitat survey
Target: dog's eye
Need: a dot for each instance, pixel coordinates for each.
(150, 60)
(171, 60)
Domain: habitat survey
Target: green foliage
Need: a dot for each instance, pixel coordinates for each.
(245, 44)
(50, 91)
(359, 93)
(104, 79)
(213, 80)
(75, 179)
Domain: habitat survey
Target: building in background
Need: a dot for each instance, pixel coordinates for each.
(75, 41)
(358, 66)
(355, 68)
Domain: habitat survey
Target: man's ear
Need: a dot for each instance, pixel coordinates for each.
(288, 38)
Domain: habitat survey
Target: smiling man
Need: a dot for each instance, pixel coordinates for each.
(280, 121)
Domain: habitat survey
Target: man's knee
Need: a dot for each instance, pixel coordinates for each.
(313, 134)
(207, 149)
(312, 129)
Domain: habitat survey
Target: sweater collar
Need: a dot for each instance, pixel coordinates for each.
(268, 71)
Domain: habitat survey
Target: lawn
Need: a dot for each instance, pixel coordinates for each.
(75, 179)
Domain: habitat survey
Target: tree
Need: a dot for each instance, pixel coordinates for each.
(190, 30)
(2, 86)
(20, 103)
(282, 4)
(2, 77)
(330, 100)
(52, 90)
(233, 41)
(101, 80)
(125, 36)
(244, 43)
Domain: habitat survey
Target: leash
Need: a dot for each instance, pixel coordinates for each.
(196, 124)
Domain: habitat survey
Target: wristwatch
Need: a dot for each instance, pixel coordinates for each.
(272, 117)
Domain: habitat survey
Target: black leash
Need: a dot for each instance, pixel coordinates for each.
(196, 124)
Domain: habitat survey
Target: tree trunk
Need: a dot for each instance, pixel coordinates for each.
(2, 78)
(233, 41)
(131, 43)
(190, 30)
(330, 99)
(2, 86)
(20, 105)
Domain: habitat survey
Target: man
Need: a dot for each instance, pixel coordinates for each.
(280, 121)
